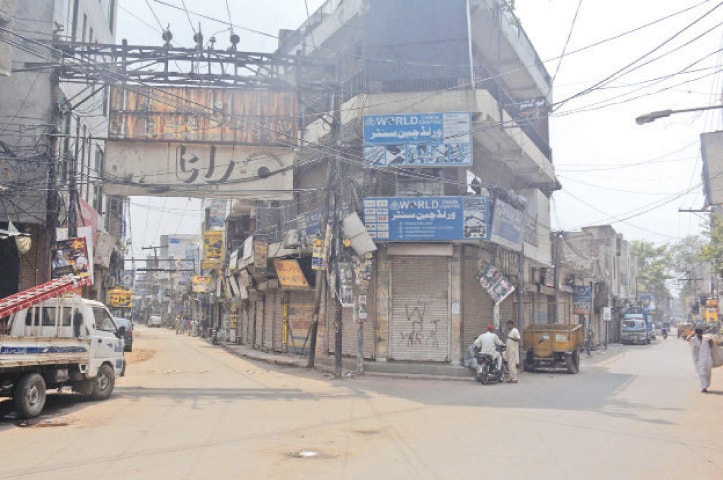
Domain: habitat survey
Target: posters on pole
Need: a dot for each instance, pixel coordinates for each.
(582, 300)
(492, 280)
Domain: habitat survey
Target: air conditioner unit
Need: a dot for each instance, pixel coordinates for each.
(291, 239)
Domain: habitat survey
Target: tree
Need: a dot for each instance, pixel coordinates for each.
(712, 250)
(653, 272)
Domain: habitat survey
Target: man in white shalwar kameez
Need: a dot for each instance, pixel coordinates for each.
(702, 359)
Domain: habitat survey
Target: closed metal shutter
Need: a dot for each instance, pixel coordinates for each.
(477, 305)
(419, 304)
(350, 329)
(259, 321)
(269, 311)
(277, 339)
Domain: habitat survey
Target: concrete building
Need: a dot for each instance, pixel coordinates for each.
(465, 67)
(48, 136)
(594, 266)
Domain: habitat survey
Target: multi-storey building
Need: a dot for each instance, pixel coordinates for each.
(439, 133)
(51, 155)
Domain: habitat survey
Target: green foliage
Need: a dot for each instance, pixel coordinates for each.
(653, 270)
(712, 251)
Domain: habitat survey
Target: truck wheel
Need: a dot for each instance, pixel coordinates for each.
(29, 396)
(103, 383)
(572, 362)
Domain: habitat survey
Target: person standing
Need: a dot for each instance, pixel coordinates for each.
(512, 353)
(702, 360)
(487, 343)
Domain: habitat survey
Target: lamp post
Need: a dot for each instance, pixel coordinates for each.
(653, 116)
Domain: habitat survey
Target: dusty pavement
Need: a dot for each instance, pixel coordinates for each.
(189, 410)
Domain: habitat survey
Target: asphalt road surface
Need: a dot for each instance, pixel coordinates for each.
(190, 410)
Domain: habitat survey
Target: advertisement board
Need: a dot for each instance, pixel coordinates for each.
(212, 249)
(508, 226)
(70, 257)
(120, 298)
(582, 300)
(201, 284)
(164, 169)
(290, 274)
(413, 219)
(494, 283)
(418, 140)
(212, 115)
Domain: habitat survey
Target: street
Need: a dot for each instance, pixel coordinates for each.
(189, 410)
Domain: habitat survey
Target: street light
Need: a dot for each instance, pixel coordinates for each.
(653, 116)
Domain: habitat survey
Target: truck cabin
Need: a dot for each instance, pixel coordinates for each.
(62, 318)
(633, 324)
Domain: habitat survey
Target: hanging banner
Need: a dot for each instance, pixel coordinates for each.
(201, 284)
(494, 282)
(212, 249)
(70, 257)
(582, 300)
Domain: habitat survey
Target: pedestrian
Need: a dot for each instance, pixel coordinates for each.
(702, 360)
(512, 352)
(178, 324)
(487, 343)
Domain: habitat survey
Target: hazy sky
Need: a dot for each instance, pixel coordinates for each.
(622, 58)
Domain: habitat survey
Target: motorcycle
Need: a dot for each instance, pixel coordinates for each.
(214, 336)
(664, 331)
(487, 371)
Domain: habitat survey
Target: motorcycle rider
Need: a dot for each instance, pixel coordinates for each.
(487, 343)
(664, 331)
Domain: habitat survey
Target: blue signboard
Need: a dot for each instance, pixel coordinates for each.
(414, 219)
(418, 140)
(508, 226)
(582, 300)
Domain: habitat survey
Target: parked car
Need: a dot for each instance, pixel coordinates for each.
(128, 336)
(155, 321)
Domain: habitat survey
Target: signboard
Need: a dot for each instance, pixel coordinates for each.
(212, 115)
(120, 298)
(261, 255)
(290, 274)
(418, 140)
(216, 212)
(607, 314)
(201, 284)
(492, 280)
(126, 279)
(582, 300)
(70, 257)
(164, 169)
(508, 226)
(212, 249)
(417, 219)
(711, 145)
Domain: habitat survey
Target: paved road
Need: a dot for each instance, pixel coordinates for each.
(190, 410)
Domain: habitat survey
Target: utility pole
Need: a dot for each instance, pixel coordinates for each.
(332, 178)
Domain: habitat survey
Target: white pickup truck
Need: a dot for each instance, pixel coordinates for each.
(63, 341)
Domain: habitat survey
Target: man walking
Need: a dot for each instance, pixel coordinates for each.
(512, 353)
(702, 359)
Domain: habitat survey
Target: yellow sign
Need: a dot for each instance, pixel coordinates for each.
(201, 284)
(290, 274)
(120, 298)
(213, 245)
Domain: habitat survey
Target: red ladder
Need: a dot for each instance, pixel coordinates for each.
(34, 295)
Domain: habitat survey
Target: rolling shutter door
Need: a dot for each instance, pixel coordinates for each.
(350, 329)
(269, 312)
(419, 304)
(277, 338)
(477, 305)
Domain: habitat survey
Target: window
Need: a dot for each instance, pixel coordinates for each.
(103, 320)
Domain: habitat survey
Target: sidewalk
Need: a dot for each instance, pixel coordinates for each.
(399, 369)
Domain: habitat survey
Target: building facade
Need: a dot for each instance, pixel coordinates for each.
(438, 138)
(49, 137)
